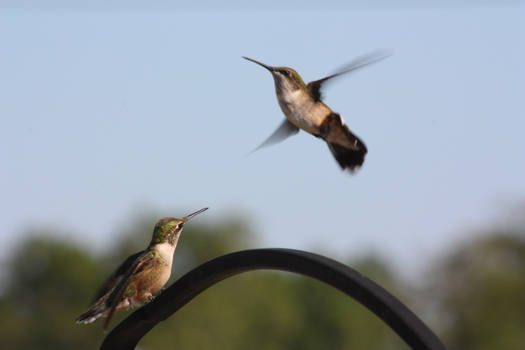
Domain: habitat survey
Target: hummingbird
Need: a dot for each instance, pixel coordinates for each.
(142, 275)
(304, 109)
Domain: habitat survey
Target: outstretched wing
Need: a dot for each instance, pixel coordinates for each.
(314, 87)
(144, 263)
(284, 130)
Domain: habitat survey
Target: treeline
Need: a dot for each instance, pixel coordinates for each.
(473, 297)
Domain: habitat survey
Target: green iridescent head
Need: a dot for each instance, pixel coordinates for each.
(168, 230)
(285, 78)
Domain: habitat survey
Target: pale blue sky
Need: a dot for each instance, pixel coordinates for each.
(103, 112)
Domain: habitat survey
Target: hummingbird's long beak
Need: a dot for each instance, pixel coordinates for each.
(270, 68)
(189, 216)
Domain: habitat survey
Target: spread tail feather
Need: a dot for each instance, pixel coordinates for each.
(348, 149)
(351, 158)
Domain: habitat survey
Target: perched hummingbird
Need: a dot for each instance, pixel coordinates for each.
(301, 104)
(142, 275)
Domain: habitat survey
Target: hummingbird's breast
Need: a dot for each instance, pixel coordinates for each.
(302, 111)
(165, 255)
(149, 281)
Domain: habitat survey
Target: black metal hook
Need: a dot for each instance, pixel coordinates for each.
(404, 322)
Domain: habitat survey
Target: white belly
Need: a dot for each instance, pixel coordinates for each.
(166, 251)
(303, 112)
(164, 277)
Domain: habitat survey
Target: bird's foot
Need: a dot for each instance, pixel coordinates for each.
(149, 299)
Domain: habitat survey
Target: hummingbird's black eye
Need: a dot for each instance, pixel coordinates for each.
(179, 226)
(285, 72)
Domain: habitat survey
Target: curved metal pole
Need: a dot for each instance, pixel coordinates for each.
(404, 322)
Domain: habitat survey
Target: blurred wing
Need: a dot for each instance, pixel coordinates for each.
(285, 130)
(314, 87)
(114, 277)
(142, 264)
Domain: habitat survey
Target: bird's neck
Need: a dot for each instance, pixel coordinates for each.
(295, 96)
(165, 250)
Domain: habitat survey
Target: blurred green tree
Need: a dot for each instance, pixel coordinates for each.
(479, 292)
(50, 281)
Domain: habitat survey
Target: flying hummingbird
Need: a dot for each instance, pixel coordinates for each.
(142, 275)
(301, 104)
